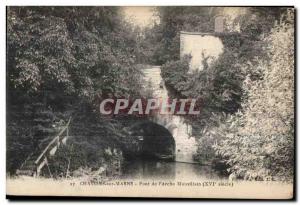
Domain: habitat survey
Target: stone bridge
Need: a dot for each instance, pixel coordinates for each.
(200, 46)
(185, 144)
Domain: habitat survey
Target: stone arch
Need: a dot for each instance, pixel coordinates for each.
(156, 140)
(185, 143)
(166, 122)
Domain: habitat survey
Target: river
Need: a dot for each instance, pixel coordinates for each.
(156, 169)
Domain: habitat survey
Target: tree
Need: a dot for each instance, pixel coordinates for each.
(63, 60)
(260, 143)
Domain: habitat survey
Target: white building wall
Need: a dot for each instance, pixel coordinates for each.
(200, 46)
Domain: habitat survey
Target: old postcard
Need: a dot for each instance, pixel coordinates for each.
(167, 102)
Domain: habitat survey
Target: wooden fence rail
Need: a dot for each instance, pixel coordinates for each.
(51, 148)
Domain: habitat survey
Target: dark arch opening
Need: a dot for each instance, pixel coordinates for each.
(155, 141)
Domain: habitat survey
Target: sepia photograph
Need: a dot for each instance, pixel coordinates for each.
(150, 102)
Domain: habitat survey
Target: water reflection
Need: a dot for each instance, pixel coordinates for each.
(154, 169)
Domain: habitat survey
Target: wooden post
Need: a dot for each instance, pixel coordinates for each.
(50, 149)
(40, 166)
(48, 168)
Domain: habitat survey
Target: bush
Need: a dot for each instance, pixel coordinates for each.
(260, 143)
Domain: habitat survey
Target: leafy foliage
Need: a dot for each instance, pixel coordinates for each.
(245, 77)
(63, 59)
(259, 144)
